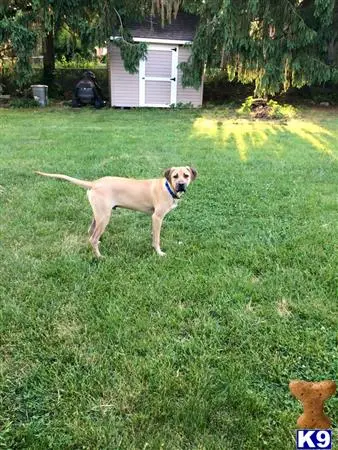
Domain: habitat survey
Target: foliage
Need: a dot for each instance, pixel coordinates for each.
(219, 90)
(65, 81)
(181, 105)
(131, 52)
(273, 109)
(68, 45)
(192, 72)
(247, 105)
(77, 62)
(274, 44)
(24, 102)
(74, 24)
(279, 111)
(17, 40)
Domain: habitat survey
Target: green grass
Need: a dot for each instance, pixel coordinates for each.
(191, 351)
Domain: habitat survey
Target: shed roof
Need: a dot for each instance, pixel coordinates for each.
(182, 28)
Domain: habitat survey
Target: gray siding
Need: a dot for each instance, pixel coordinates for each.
(188, 94)
(158, 64)
(157, 92)
(123, 85)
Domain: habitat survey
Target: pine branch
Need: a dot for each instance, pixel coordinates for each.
(122, 29)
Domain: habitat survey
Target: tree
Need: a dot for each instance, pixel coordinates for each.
(275, 44)
(92, 21)
(22, 24)
(17, 37)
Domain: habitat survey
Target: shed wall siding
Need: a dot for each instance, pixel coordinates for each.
(187, 94)
(158, 64)
(157, 92)
(124, 86)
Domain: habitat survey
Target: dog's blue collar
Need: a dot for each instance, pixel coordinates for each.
(171, 192)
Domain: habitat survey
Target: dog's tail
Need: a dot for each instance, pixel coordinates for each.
(83, 183)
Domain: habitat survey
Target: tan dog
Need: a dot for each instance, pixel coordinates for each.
(156, 197)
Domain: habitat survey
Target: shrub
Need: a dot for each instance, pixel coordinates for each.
(24, 102)
(246, 106)
(263, 109)
(279, 111)
(181, 105)
(78, 62)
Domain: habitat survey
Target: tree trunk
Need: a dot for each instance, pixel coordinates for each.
(49, 59)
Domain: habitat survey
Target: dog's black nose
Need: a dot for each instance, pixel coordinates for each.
(181, 187)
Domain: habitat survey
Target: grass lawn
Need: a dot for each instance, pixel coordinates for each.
(191, 351)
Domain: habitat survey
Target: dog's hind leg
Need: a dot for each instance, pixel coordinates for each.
(102, 207)
(97, 233)
(92, 227)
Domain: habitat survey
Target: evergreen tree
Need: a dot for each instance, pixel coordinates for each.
(23, 23)
(276, 44)
(17, 37)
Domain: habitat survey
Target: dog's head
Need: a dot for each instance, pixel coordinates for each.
(180, 177)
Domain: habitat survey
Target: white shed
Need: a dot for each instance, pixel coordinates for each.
(158, 81)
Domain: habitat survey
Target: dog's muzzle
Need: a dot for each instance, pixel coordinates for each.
(181, 187)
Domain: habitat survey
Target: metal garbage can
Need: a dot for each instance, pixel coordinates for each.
(40, 93)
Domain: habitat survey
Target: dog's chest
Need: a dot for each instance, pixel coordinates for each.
(172, 206)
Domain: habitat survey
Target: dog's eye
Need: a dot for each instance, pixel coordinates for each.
(175, 176)
(186, 175)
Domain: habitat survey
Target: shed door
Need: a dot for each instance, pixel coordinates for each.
(158, 76)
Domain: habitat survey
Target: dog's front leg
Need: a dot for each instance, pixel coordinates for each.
(157, 219)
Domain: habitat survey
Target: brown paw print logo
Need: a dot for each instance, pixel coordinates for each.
(313, 395)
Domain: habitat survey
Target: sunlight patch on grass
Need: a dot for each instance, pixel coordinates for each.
(67, 330)
(72, 242)
(246, 133)
(240, 144)
(312, 133)
(249, 308)
(283, 308)
(205, 126)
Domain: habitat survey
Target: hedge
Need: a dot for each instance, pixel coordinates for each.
(217, 88)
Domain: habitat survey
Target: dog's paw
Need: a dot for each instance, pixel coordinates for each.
(160, 253)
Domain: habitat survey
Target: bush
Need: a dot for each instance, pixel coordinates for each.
(279, 111)
(263, 109)
(246, 106)
(24, 102)
(78, 62)
(219, 90)
(65, 81)
(181, 105)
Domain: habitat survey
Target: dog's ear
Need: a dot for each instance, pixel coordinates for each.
(167, 173)
(193, 173)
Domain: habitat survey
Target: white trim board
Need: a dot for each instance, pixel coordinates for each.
(142, 85)
(155, 105)
(174, 74)
(156, 41)
(163, 47)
